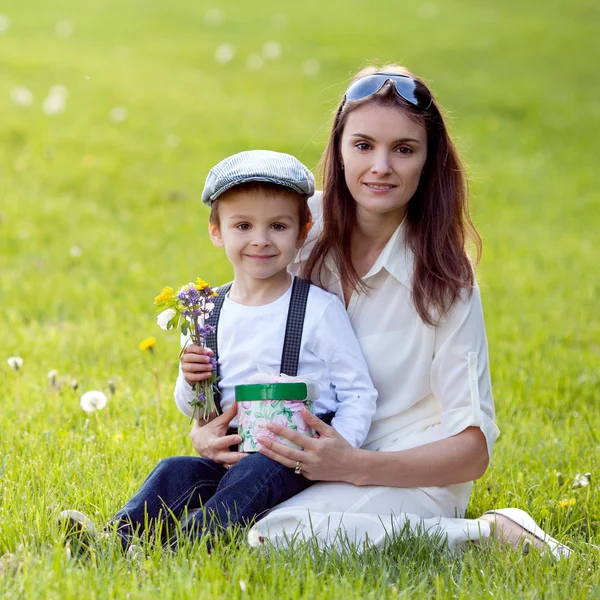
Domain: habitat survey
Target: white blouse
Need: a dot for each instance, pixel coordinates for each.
(424, 375)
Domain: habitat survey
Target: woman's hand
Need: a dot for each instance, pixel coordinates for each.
(328, 457)
(209, 439)
(196, 364)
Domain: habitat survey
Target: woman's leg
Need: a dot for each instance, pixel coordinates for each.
(176, 483)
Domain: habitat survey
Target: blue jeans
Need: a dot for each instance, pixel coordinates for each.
(227, 496)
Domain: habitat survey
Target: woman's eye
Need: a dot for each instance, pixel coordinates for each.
(362, 146)
(404, 150)
(243, 226)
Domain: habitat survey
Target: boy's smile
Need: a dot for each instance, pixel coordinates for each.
(260, 233)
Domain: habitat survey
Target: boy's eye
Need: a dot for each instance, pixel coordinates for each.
(278, 226)
(243, 226)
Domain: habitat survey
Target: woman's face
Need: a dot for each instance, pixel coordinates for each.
(383, 152)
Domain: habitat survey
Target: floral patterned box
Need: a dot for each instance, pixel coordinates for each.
(261, 403)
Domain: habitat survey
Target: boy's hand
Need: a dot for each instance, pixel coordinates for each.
(196, 364)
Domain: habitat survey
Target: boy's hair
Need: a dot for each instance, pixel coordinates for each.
(266, 189)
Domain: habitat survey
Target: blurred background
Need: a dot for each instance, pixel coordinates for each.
(112, 112)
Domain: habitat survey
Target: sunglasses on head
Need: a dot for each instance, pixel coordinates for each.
(406, 87)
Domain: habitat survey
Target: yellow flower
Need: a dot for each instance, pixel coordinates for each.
(567, 503)
(201, 284)
(148, 343)
(165, 296)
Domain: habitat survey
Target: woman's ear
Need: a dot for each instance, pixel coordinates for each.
(215, 235)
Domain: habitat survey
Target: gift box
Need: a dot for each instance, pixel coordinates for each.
(282, 403)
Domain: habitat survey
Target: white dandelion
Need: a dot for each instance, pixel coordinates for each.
(54, 105)
(75, 251)
(172, 140)
(271, 50)
(311, 67)
(92, 401)
(21, 96)
(59, 90)
(118, 114)
(582, 480)
(224, 53)
(52, 375)
(242, 585)
(214, 16)
(64, 28)
(15, 363)
(4, 23)
(255, 62)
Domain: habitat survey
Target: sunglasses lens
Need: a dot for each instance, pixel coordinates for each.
(406, 87)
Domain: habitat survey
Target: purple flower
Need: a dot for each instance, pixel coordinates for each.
(213, 362)
(189, 295)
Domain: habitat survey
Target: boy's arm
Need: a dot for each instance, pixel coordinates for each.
(183, 394)
(336, 344)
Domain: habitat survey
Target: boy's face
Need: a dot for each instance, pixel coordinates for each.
(259, 231)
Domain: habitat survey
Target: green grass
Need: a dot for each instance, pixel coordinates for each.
(520, 83)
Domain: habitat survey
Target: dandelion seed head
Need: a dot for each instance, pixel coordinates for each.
(118, 114)
(582, 480)
(255, 61)
(21, 96)
(214, 16)
(75, 251)
(4, 23)
(224, 53)
(242, 585)
(93, 401)
(311, 67)
(52, 375)
(15, 363)
(271, 50)
(59, 90)
(54, 105)
(64, 28)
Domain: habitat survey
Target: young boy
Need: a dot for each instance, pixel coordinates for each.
(259, 215)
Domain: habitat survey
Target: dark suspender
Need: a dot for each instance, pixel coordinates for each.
(293, 330)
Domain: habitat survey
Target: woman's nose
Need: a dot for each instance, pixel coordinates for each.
(381, 163)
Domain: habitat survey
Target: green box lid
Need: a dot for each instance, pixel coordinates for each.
(252, 392)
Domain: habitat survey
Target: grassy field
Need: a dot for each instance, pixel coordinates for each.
(99, 209)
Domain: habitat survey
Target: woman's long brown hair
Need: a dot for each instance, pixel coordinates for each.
(437, 223)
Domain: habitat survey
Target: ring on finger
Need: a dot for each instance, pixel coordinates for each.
(298, 468)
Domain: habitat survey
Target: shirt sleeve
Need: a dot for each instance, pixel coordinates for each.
(335, 343)
(460, 377)
(183, 393)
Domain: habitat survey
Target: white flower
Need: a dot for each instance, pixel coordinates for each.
(164, 317)
(271, 50)
(64, 28)
(224, 53)
(92, 401)
(21, 96)
(15, 363)
(4, 23)
(75, 251)
(242, 585)
(52, 375)
(118, 114)
(311, 67)
(582, 480)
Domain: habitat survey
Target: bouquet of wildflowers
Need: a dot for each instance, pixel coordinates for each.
(188, 310)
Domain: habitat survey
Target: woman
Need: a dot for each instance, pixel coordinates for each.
(389, 239)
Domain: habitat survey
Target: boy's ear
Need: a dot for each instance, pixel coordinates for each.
(302, 235)
(215, 235)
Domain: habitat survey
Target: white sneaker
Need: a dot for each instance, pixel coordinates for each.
(525, 520)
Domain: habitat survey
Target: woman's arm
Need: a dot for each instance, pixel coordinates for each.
(456, 459)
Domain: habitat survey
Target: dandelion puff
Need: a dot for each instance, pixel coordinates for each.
(59, 90)
(75, 251)
(172, 140)
(54, 105)
(21, 96)
(224, 53)
(311, 67)
(52, 375)
(214, 16)
(15, 363)
(242, 585)
(64, 28)
(582, 480)
(92, 401)
(118, 114)
(255, 62)
(4, 23)
(74, 384)
(271, 50)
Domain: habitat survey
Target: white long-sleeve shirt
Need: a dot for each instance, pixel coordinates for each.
(251, 335)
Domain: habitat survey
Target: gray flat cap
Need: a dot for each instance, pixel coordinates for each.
(258, 165)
